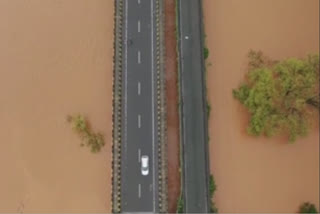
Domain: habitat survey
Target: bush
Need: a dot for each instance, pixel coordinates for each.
(208, 109)
(90, 139)
(308, 208)
(180, 205)
(212, 189)
(212, 186)
(206, 53)
(213, 208)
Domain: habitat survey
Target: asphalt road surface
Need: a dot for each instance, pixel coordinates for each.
(139, 193)
(193, 108)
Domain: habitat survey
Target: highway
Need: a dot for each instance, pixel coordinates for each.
(193, 112)
(139, 193)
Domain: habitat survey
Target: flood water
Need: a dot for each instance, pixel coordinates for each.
(55, 60)
(258, 174)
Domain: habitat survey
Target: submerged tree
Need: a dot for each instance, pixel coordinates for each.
(281, 96)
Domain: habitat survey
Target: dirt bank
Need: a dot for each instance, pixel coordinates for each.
(256, 174)
(172, 107)
(55, 60)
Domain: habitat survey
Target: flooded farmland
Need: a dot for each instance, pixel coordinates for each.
(257, 174)
(55, 60)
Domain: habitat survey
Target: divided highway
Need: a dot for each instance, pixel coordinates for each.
(139, 193)
(193, 112)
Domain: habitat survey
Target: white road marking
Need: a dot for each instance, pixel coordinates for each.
(139, 26)
(139, 1)
(152, 74)
(139, 155)
(139, 121)
(139, 88)
(139, 57)
(126, 81)
(139, 190)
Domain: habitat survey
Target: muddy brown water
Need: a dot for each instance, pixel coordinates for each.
(55, 60)
(257, 174)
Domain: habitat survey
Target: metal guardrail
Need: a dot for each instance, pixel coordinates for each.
(117, 107)
(161, 109)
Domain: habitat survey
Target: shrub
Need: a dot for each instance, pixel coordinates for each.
(308, 208)
(206, 53)
(213, 208)
(212, 186)
(180, 205)
(90, 139)
(208, 109)
(212, 189)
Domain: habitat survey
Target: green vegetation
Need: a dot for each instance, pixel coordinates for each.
(307, 208)
(208, 109)
(180, 205)
(90, 139)
(282, 96)
(206, 55)
(206, 52)
(212, 189)
(212, 186)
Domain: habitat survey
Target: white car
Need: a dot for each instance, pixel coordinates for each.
(144, 165)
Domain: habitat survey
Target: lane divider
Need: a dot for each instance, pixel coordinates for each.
(117, 107)
(161, 109)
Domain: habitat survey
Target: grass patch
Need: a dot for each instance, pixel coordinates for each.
(90, 139)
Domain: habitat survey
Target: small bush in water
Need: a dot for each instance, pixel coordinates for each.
(90, 139)
(308, 208)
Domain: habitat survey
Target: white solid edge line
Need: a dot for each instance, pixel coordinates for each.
(152, 74)
(126, 80)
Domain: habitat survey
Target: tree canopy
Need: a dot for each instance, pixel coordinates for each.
(281, 96)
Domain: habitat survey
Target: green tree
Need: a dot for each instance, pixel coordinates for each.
(281, 96)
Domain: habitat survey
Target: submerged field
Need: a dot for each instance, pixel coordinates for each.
(55, 60)
(257, 174)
